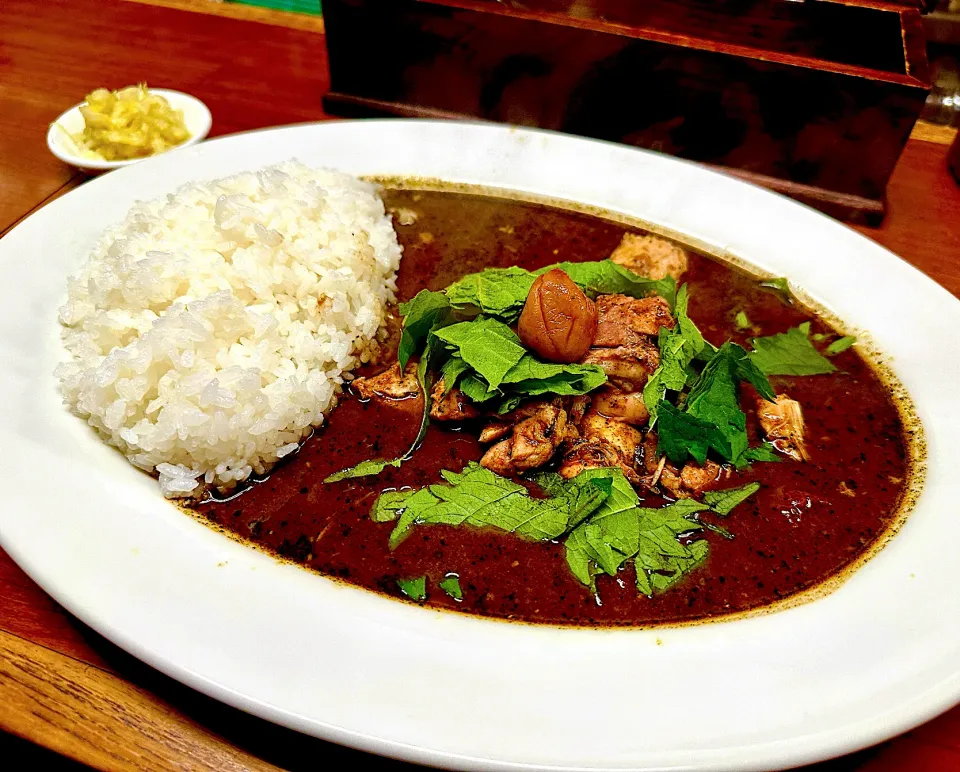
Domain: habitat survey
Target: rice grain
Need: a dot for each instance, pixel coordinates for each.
(213, 329)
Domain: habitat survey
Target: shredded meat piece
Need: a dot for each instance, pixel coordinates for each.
(783, 423)
(626, 406)
(650, 458)
(687, 483)
(493, 431)
(622, 320)
(604, 442)
(692, 480)
(575, 410)
(628, 366)
(532, 441)
(452, 406)
(391, 384)
(651, 256)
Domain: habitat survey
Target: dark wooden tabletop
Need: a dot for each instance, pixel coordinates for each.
(64, 688)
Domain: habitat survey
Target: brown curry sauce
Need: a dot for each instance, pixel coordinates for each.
(807, 523)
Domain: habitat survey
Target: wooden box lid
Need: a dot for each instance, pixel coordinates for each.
(879, 39)
(813, 98)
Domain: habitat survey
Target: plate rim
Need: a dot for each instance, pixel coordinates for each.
(932, 707)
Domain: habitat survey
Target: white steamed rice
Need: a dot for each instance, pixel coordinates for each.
(212, 329)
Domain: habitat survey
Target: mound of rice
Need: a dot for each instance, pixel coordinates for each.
(212, 329)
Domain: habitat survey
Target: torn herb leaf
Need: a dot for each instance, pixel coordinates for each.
(425, 381)
(723, 502)
(530, 370)
(375, 466)
(450, 584)
(388, 505)
(678, 349)
(502, 292)
(509, 403)
(676, 569)
(579, 560)
(680, 435)
(790, 353)
(781, 288)
(487, 345)
(372, 466)
(748, 371)
(424, 313)
(531, 378)
(499, 292)
(489, 362)
(581, 499)
(451, 371)
(759, 453)
(711, 418)
(478, 497)
(604, 277)
(528, 378)
(621, 531)
(714, 399)
(840, 345)
(693, 341)
(612, 535)
(423, 316)
(392, 505)
(477, 389)
(620, 493)
(415, 589)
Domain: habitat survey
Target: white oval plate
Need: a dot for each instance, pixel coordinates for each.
(874, 658)
(196, 116)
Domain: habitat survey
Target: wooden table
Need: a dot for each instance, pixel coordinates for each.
(62, 686)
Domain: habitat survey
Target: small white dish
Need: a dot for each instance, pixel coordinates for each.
(196, 115)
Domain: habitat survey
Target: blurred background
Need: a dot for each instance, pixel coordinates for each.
(943, 35)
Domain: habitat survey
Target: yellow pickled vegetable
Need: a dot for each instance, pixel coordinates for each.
(129, 123)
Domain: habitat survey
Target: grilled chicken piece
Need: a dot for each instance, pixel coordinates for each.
(626, 406)
(391, 384)
(452, 406)
(592, 455)
(621, 319)
(603, 442)
(695, 479)
(631, 364)
(692, 480)
(501, 426)
(623, 438)
(532, 441)
(651, 256)
(783, 423)
(530, 408)
(688, 483)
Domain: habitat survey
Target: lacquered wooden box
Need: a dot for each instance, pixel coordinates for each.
(812, 98)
